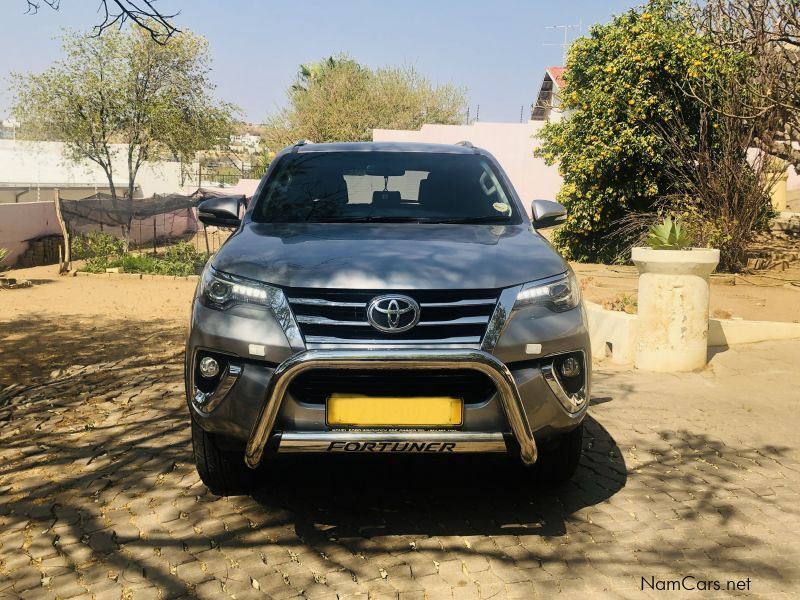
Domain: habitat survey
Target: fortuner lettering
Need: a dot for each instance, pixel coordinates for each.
(343, 446)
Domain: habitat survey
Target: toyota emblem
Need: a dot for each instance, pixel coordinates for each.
(393, 313)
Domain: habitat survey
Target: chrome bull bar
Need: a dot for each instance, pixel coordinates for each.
(378, 359)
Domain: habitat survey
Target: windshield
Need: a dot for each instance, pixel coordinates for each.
(423, 187)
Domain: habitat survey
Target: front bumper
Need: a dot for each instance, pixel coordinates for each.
(528, 395)
(392, 359)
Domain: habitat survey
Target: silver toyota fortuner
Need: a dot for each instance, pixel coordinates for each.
(385, 298)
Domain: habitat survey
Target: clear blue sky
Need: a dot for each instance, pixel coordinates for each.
(495, 48)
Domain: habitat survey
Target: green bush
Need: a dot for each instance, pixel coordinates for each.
(98, 249)
(102, 251)
(137, 263)
(96, 244)
(182, 259)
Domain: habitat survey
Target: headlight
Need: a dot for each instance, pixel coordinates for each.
(558, 293)
(222, 290)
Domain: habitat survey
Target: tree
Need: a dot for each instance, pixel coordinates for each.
(768, 32)
(721, 181)
(623, 88)
(337, 99)
(119, 87)
(116, 13)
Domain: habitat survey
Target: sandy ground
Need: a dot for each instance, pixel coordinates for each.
(111, 296)
(65, 321)
(766, 296)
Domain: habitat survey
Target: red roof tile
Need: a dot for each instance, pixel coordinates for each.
(557, 75)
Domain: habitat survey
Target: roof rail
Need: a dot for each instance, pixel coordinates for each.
(468, 144)
(299, 143)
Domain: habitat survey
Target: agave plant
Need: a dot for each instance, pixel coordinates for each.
(668, 235)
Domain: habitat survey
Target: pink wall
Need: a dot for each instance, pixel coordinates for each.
(167, 225)
(25, 221)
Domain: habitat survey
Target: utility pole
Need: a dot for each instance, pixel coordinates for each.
(566, 43)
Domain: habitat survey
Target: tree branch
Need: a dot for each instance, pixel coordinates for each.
(116, 13)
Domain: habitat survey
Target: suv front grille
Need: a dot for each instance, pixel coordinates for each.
(314, 387)
(329, 318)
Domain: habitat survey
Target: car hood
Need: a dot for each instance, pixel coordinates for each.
(398, 256)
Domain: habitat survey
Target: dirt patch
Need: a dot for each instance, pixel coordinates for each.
(768, 296)
(42, 346)
(61, 322)
(107, 297)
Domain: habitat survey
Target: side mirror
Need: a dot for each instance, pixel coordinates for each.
(547, 213)
(222, 211)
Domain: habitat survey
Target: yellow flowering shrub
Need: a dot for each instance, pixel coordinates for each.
(622, 80)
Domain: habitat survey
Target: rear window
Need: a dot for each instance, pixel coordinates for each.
(341, 187)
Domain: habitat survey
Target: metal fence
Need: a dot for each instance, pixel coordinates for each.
(211, 175)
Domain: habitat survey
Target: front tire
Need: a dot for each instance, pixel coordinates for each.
(559, 459)
(222, 471)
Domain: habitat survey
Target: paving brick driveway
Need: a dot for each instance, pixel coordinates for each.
(691, 474)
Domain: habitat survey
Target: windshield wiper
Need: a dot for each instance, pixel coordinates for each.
(390, 219)
(369, 219)
(467, 220)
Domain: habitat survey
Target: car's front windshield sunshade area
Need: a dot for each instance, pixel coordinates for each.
(426, 187)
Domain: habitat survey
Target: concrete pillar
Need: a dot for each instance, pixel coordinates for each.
(778, 193)
(673, 308)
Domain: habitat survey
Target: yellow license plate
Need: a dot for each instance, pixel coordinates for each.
(381, 411)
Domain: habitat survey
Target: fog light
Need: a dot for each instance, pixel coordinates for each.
(210, 367)
(570, 368)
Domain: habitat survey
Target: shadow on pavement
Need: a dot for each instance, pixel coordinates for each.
(31, 349)
(97, 485)
(459, 495)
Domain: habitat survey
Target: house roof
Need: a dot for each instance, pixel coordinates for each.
(557, 75)
(552, 83)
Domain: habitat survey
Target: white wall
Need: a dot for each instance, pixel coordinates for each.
(512, 144)
(42, 167)
(43, 164)
(45, 193)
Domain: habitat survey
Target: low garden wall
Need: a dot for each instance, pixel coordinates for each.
(614, 334)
